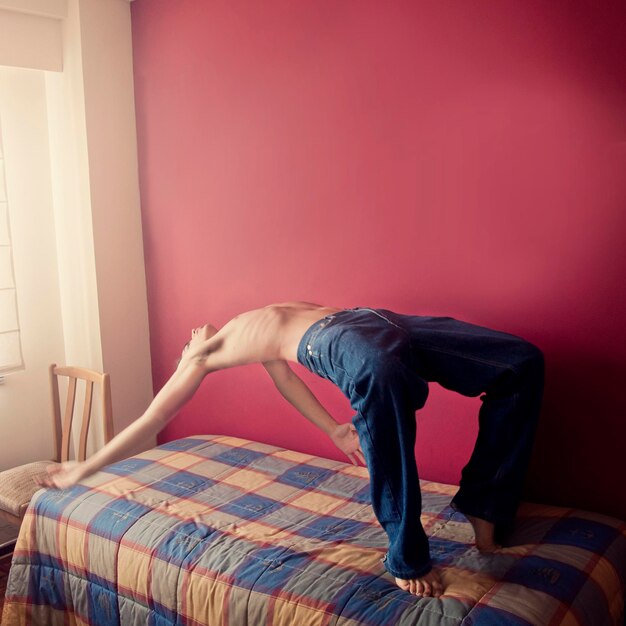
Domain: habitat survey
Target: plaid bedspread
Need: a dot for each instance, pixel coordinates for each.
(219, 531)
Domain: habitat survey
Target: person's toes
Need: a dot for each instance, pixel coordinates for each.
(403, 584)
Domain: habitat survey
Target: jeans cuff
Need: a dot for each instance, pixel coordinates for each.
(417, 572)
(486, 514)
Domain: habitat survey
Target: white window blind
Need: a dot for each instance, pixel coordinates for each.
(10, 345)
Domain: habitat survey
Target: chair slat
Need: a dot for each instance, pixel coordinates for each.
(57, 426)
(82, 450)
(107, 410)
(67, 419)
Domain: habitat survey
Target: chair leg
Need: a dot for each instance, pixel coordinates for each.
(7, 548)
(8, 537)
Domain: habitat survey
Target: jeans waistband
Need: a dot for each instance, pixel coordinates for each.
(305, 347)
(308, 353)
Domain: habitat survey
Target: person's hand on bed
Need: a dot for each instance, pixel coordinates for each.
(63, 475)
(344, 436)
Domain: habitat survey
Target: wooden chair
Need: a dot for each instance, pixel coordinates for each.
(17, 485)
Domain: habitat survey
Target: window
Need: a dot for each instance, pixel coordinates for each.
(10, 346)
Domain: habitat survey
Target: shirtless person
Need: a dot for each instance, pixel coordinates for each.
(382, 361)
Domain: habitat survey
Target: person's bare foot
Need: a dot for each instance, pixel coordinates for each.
(484, 532)
(428, 586)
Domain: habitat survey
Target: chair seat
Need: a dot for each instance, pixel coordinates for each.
(17, 486)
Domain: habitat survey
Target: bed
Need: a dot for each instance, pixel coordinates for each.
(216, 530)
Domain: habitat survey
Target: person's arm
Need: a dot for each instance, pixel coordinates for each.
(293, 389)
(171, 398)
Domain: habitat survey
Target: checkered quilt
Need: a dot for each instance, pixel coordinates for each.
(219, 531)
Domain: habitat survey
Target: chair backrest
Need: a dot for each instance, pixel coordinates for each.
(63, 424)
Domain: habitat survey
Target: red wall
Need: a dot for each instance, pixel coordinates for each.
(437, 158)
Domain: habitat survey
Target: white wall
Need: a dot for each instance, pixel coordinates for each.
(47, 8)
(92, 226)
(33, 41)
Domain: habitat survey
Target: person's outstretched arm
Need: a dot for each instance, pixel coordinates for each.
(293, 389)
(171, 398)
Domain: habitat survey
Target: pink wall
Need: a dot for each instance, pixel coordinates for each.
(436, 158)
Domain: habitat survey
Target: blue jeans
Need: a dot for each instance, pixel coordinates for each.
(383, 361)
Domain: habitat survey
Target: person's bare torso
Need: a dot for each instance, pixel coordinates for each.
(267, 334)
